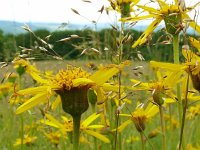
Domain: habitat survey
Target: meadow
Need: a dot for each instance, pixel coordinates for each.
(110, 96)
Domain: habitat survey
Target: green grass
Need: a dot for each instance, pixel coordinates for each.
(10, 122)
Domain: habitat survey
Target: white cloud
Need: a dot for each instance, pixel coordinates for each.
(57, 10)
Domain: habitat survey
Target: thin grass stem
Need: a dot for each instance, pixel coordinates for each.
(162, 123)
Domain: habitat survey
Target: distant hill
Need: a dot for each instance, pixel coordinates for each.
(16, 27)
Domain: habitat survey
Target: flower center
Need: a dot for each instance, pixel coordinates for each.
(64, 78)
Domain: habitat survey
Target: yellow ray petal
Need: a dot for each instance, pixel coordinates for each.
(38, 78)
(56, 103)
(138, 18)
(195, 43)
(103, 75)
(82, 82)
(168, 66)
(192, 23)
(95, 126)
(90, 119)
(123, 125)
(39, 98)
(54, 121)
(98, 136)
(138, 85)
(109, 87)
(142, 39)
(151, 10)
(162, 4)
(151, 110)
(49, 123)
(34, 90)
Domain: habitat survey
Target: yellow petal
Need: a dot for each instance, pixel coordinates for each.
(103, 75)
(132, 19)
(90, 119)
(95, 126)
(151, 10)
(151, 110)
(192, 23)
(142, 39)
(82, 82)
(34, 90)
(54, 121)
(138, 85)
(56, 103)
(168, 66)
(98, 136)
(195, 43)
(39, 98)
(38, 78)
(123, 125)
(49, 123)
(109, 87)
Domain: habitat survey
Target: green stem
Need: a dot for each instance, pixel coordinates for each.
(21, 118)
(95, 140)
(162, 123)
(76, 131)
(176, 48)
(176, 61)
(185, 105)
(142, 140)
(22, 131)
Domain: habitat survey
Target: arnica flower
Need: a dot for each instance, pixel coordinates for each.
(193, 111)
(139, 117)
(174, 15)
(66, 126)
(123, 6)
(161, 89)
(28, 140)
(23, 66)
(195, 43)
(5, 88)
(71, 85)
(54, 137)
(190, 66)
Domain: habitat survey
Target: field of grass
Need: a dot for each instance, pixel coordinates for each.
(121, 104)
(11, 124)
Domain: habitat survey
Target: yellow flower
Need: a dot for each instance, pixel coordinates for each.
(195, 43)
(193, 111)
(26, 141)
(72, 85)
(172, 14)
(161, 89)
(66, 126)
(125, 7)
(54, 137)
(139, 117)
(23, 66)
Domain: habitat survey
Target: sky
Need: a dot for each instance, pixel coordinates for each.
(58, 11)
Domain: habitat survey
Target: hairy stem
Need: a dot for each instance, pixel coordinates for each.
(162, 123)
(142, 140)
(76, 131)
(185, 105)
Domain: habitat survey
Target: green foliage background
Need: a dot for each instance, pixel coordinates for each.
(71, 49)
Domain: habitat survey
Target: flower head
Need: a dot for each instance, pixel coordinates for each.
(66, 126)
(174, 15)
(71, 85)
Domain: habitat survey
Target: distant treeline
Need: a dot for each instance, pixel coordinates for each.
(96, 45)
